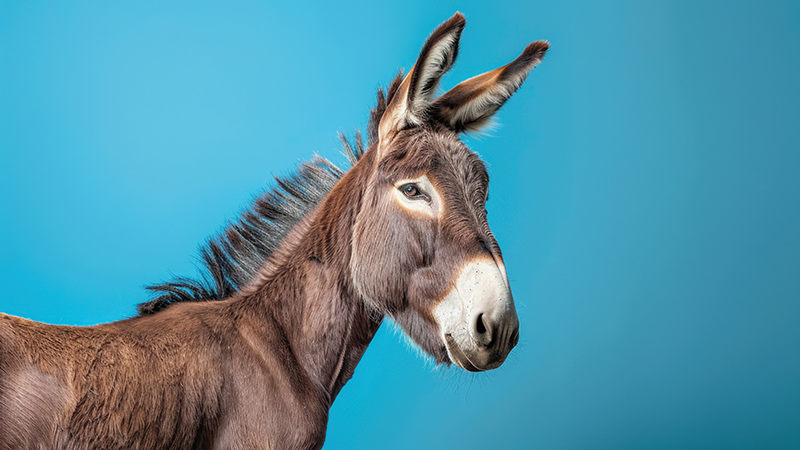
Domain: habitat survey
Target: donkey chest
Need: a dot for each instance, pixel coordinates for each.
(270, 410)
(273, 426)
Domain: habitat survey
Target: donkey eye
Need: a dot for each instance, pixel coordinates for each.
(412, 191)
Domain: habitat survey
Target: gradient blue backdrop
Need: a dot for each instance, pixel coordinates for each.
(644, 190)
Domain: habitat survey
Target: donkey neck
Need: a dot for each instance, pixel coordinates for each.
(306, 292)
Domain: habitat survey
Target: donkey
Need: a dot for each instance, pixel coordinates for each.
(253, 354)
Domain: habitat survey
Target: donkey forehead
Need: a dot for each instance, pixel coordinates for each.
(449, 163)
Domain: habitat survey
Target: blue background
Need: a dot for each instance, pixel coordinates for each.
(644, 190)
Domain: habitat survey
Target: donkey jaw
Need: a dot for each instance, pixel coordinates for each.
(477, 318)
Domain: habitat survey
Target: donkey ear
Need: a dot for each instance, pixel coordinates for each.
(472, 103)
(409, 105)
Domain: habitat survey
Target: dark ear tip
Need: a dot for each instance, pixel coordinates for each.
(457, 20)
(536, 49)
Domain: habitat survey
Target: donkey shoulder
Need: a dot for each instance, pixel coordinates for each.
(32, 399)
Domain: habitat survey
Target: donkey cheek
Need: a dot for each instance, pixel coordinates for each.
(381, 270)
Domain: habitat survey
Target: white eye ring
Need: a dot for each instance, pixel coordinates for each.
(409, 192)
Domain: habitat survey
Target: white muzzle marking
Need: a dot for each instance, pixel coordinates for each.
(481, 294)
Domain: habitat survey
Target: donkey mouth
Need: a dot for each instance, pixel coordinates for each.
(458, 356)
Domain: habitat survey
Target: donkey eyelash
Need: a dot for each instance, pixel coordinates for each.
(413, 192)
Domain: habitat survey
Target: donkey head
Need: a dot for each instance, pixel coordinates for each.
(422, 249)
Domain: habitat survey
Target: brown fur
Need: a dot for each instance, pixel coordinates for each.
(261, 368)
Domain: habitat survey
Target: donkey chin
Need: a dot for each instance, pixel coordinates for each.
(477, 318)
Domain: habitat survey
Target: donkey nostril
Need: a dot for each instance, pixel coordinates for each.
(480, 327)
(483, 331)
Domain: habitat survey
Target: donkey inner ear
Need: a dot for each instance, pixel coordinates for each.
(471, 104)
(409, 105)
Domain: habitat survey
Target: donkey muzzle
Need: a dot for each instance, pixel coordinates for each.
(477, 318)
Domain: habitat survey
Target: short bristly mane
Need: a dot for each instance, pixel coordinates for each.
(232, 259)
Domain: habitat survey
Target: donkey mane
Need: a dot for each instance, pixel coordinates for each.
(230, 260)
